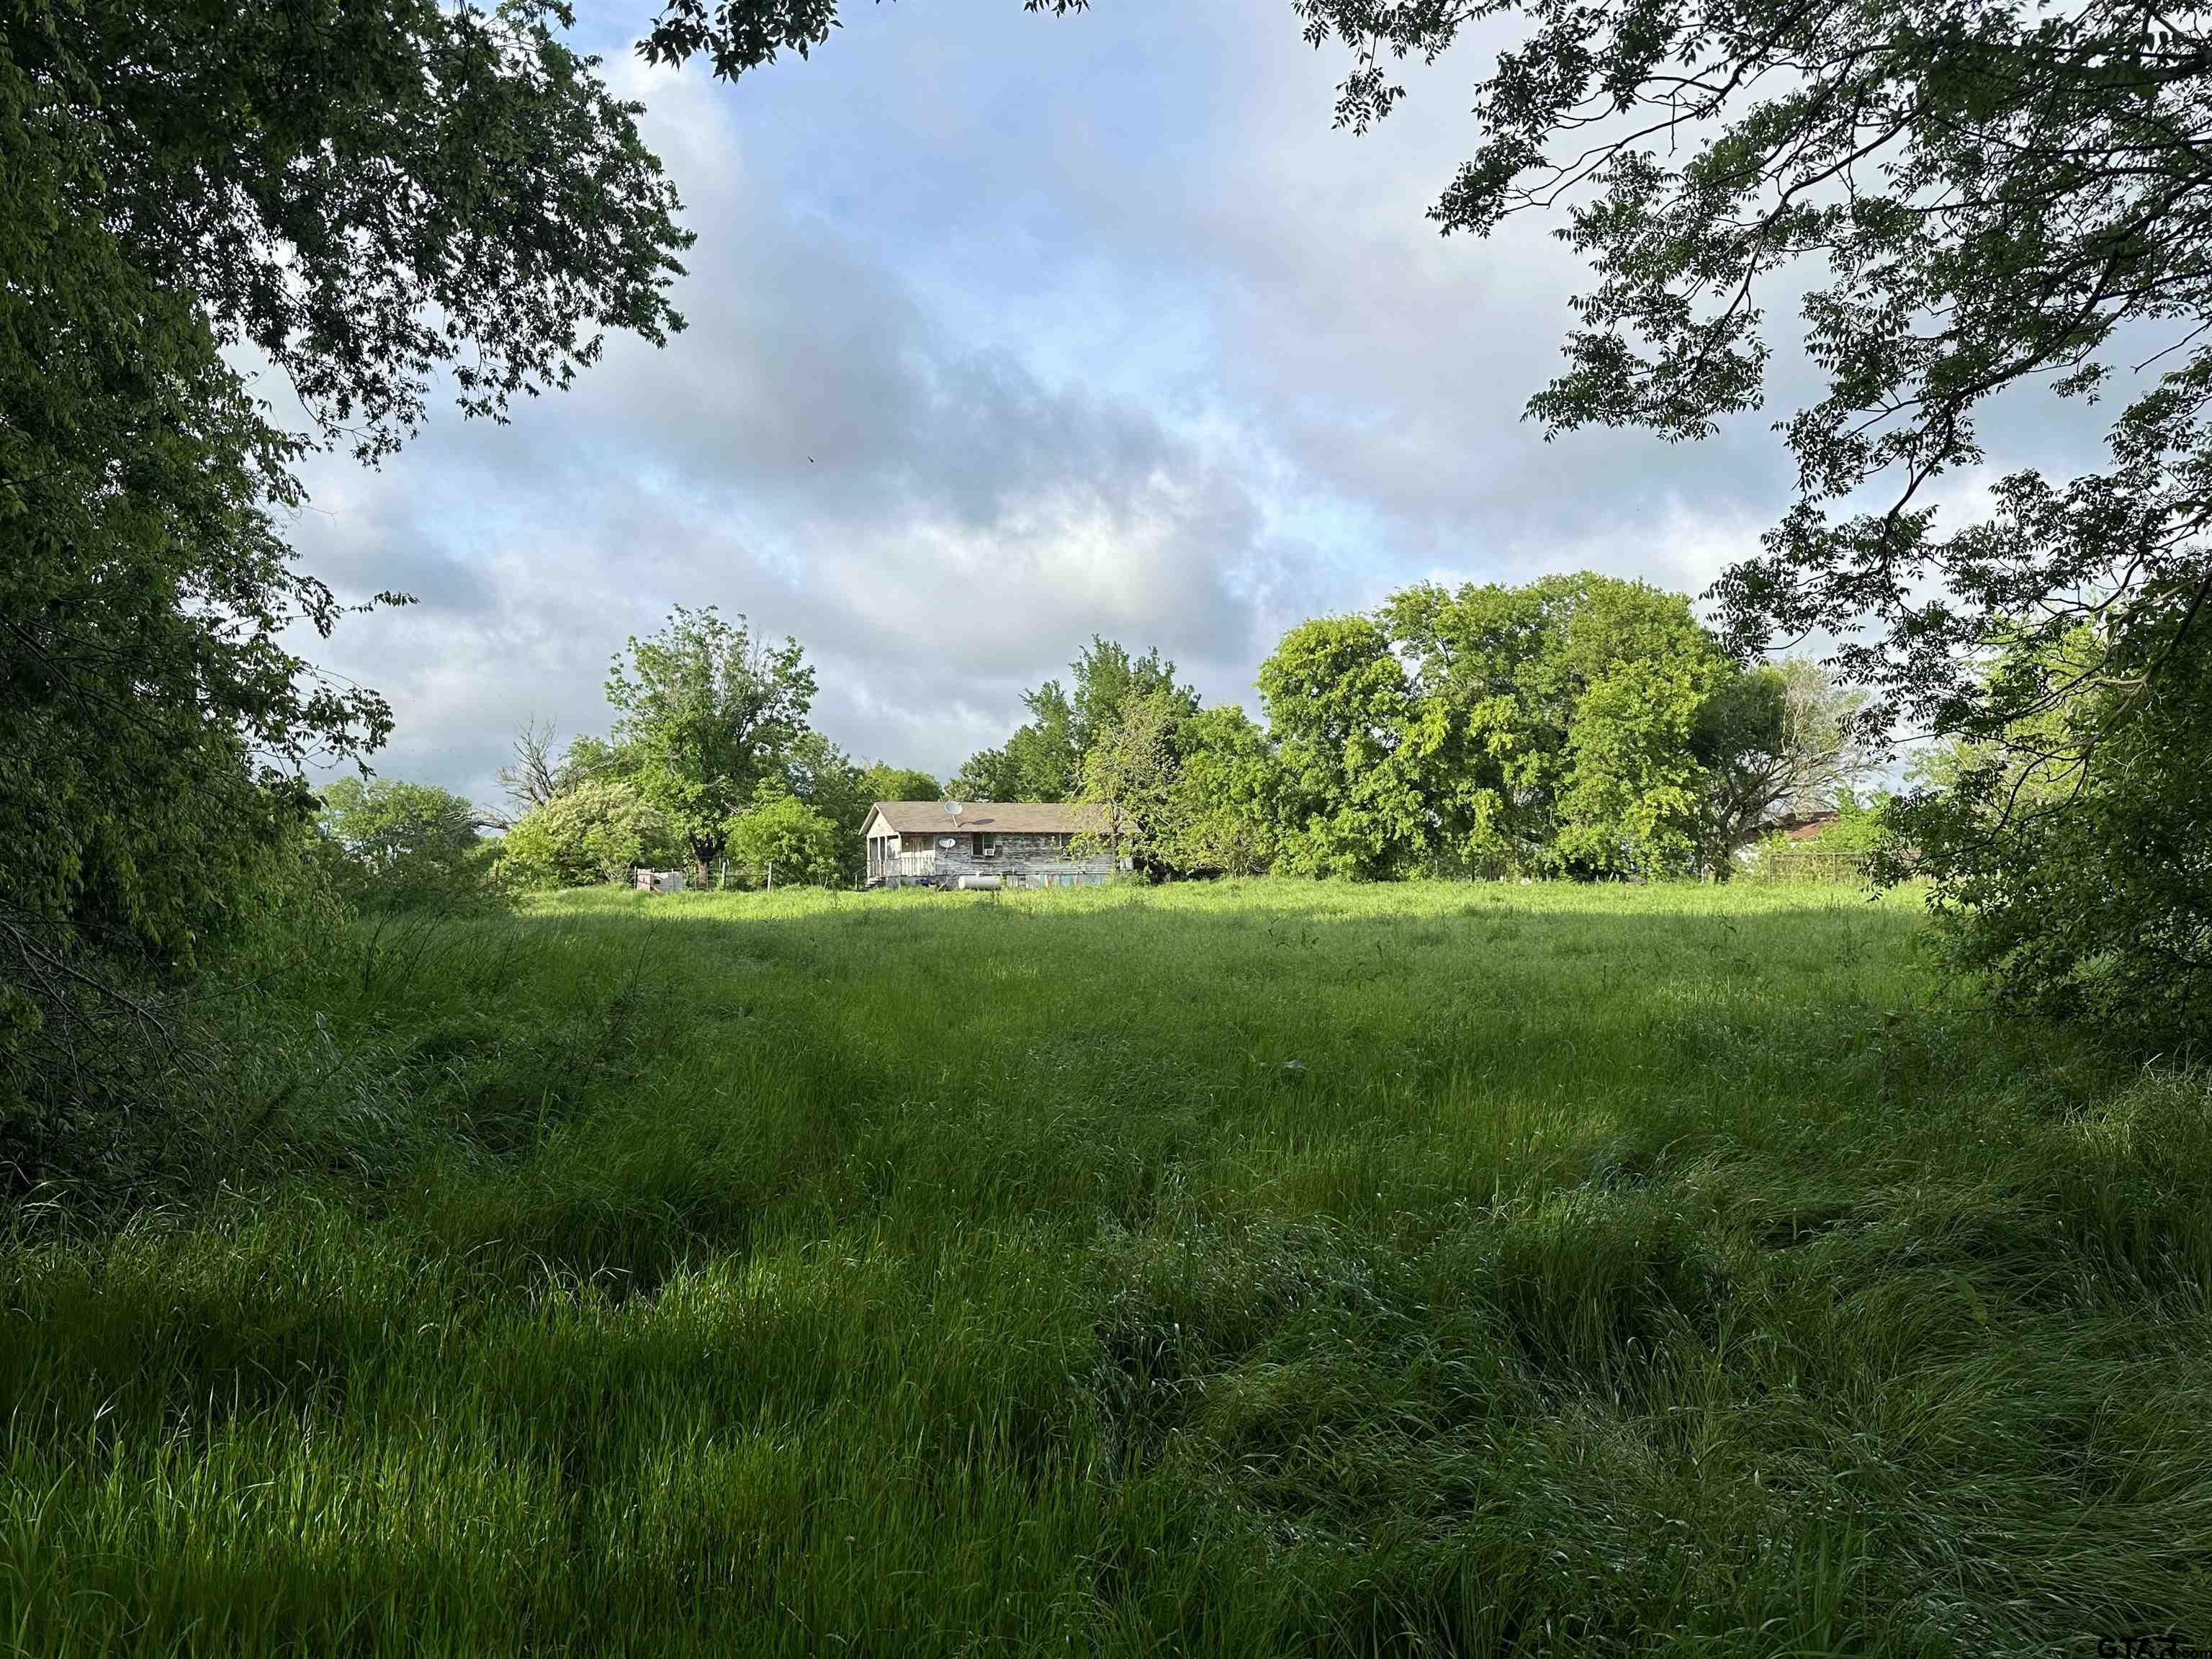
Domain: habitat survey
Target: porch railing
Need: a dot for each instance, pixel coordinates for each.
(905, 865)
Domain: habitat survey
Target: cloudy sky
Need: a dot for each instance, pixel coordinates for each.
(1005, 331)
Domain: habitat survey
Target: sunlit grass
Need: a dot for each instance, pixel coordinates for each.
(1243, 1269)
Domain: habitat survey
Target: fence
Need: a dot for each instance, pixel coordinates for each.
(1808, 864)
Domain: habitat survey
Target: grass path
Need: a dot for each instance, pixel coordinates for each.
(1248, 1269)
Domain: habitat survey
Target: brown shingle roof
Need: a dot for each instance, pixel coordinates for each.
(1005, 817)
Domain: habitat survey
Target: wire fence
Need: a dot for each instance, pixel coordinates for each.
(1809, 864)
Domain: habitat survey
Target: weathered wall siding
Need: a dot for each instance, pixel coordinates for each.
(1032, 857)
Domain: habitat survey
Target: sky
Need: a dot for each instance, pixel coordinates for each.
(1005, 331)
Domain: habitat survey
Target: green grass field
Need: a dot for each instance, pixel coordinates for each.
(1249, 1269)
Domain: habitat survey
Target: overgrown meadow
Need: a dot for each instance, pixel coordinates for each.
(1254, 1268)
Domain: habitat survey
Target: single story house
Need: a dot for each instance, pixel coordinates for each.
(1018, 843)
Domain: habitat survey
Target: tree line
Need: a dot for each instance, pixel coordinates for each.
(1581, 726)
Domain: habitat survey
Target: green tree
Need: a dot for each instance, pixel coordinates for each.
(596, 831)
(1225, 808)
(1558, 720)
(2068, 853)
(1963, 201)
(1131, 768)
(1776, 741)
(989, 775)
(783, 839)
(707, 713)
(885, 782)
(364, 196)
(1354, 742)
(401, 846)
(1044, 758)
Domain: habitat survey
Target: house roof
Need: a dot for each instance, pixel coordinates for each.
(1005, 817)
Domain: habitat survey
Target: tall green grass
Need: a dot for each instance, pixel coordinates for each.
(1248, 1269)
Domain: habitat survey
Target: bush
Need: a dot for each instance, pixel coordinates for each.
(392, 846)
(595, 832)
(785, 834)
(2072, 867)
(127, 1078)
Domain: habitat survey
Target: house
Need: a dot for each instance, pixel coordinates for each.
(1019, 843)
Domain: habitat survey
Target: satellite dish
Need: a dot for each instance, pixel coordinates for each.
(952, 809)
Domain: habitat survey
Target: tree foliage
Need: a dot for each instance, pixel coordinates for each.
(361, 198)
(1225, 808)
(1558, 718)
(705, 714)
(595, 830)
(1994, 197)
(1353, 745)
(783, 839)
(1044, 758)
(394, 846)
(883, 781)
(1776, 741)
(2073, 869)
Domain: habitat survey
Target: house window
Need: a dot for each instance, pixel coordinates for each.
(983, 847)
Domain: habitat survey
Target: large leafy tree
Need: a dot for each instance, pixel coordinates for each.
(1131, 768)
(363, 197)
(1560, 716)
(1224, 808)
(597, 829)
(2071, 863)
(706, 713)
(1970, 198)
(1355, 744)
(783, 839)
(883, 781)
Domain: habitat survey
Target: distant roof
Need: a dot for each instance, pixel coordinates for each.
(1809, 827)
(1005, 818)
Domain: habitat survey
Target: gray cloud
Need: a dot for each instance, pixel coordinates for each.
(1004, 332)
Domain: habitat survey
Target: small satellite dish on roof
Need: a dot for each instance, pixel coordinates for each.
(952, 809)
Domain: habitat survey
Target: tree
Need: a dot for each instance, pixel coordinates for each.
(1560, 718)
(402, 846)
(1993, 194)
(884, 782)
(363, 196)
(707, 713)
(1776, 741)
(1353, 742)
(989, 775)
(533, 777)
(2071, 868)
(1226, 806)
(785, 840)
(596, 831)
(1043, 760)
(1131, 768)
